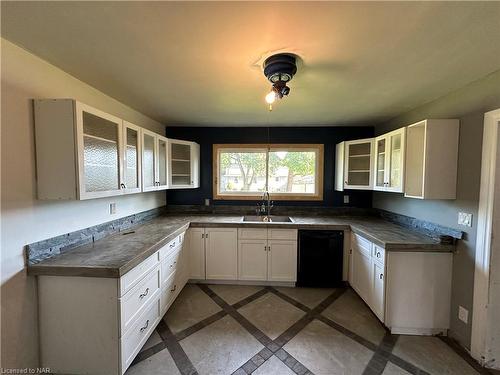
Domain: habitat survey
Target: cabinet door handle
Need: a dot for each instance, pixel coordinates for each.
(265, 248)
(141, 296)
(145, 327)
(172, 245)
(269, 248)
(123, 186)
(378, 254)
(381, 276)
(174, 288)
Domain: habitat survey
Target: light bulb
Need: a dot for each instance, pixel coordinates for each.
(271, 97)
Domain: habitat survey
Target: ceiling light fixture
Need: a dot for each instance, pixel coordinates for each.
(279, 69)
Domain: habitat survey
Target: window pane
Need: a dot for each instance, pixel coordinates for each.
(243, 172)
(292, 172)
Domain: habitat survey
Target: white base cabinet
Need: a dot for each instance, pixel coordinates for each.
(93, 325)
(244, 254)
(221, 248)
(408, 291)
(267, 254)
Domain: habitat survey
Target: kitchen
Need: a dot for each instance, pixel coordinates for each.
(165, 215)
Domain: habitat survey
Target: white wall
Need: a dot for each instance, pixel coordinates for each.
(24, 219)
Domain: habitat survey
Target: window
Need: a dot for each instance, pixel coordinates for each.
(288, 172)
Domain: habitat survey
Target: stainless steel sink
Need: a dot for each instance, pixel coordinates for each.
(267, 219)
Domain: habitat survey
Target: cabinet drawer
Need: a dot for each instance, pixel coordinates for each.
(172, 246)
(132, 277)
(135, 338)
(252, 233)
(169, 266)
(282, 234)
(132, 303)
(168, 291)
(378, 254)
(362, 245)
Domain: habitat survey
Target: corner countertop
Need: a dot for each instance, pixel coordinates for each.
(117, 254)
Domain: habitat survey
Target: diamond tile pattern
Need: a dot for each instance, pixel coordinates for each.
(350, 311)
(190, 307)
(240, 330)
(271, 314)
(220, 348)
(326, 351)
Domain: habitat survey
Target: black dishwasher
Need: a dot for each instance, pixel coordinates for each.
(321, 258)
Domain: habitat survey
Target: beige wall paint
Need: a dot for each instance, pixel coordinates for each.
(469, 105)
(26, 220)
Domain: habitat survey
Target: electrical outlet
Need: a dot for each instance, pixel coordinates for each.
(465, 219)
(207, 202)
(463, 314)
(346, 199)
(112, 208)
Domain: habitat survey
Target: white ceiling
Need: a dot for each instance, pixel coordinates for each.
(196, 63)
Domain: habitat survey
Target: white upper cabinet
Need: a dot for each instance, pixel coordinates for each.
(358, 165)
(389, 161)
(354, 164)
(154, 161)
(184, 170)
(85, 153)
(82, 153)
(431, 159)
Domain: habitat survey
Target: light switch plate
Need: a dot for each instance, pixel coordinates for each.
(112, 208)
(463, 314)
(346, 199)
(465, 219)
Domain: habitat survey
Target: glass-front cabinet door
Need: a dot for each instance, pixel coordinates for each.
(131, 165)
(389, 161)
(359, 164)
(162, 167)
(149, 161)
(395, 163)
(380, 163)
(99, 138)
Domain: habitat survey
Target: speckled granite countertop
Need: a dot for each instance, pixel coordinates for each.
(115, 255)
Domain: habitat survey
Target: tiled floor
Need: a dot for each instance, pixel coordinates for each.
(225, 329)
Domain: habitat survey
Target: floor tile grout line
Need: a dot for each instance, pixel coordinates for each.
(145, 354)
(248, 326)
(380, 357)
(453, 345)
(289, 299)
(181, 359)
(200, 325)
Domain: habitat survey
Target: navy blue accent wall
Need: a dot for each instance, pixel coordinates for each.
(329, 136)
